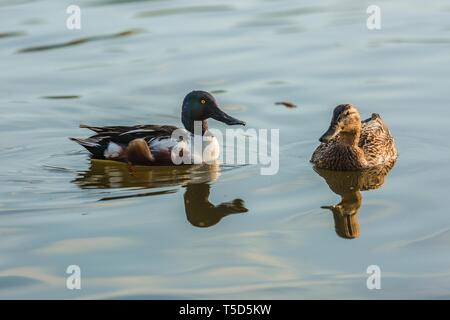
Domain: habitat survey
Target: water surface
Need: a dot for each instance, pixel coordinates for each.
(226, 231)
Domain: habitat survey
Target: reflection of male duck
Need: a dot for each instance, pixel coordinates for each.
(106, 174)
(202, 213)
(197, 179)
(349, 184)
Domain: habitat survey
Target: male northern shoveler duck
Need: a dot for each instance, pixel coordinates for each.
(350, 144)
(153, 144)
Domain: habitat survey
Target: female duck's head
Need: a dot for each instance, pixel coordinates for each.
(200, 106)
(346, 121)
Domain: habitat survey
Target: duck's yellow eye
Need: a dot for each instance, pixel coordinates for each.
(203, 101)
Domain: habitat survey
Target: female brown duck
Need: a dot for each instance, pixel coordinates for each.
(350, 144)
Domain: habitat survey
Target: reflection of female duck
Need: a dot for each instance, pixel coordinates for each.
(105, 174)
(349, 184)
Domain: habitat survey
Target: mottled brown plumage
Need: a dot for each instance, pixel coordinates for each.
(350, 144)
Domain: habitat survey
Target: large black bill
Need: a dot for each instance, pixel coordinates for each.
(330, 134)
(221, 116)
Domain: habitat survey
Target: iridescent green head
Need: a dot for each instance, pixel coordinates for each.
(200, 106)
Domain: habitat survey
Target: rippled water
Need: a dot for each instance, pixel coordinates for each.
(222, 232)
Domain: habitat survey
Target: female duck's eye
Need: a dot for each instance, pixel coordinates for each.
(203, 101)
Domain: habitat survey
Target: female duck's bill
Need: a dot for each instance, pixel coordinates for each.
(200, 106)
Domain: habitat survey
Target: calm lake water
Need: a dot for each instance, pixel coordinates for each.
(223, 232)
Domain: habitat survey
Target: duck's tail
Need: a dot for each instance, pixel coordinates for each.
(93, 128)
(93, 147)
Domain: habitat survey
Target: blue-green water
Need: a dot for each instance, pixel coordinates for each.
(162, 233)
